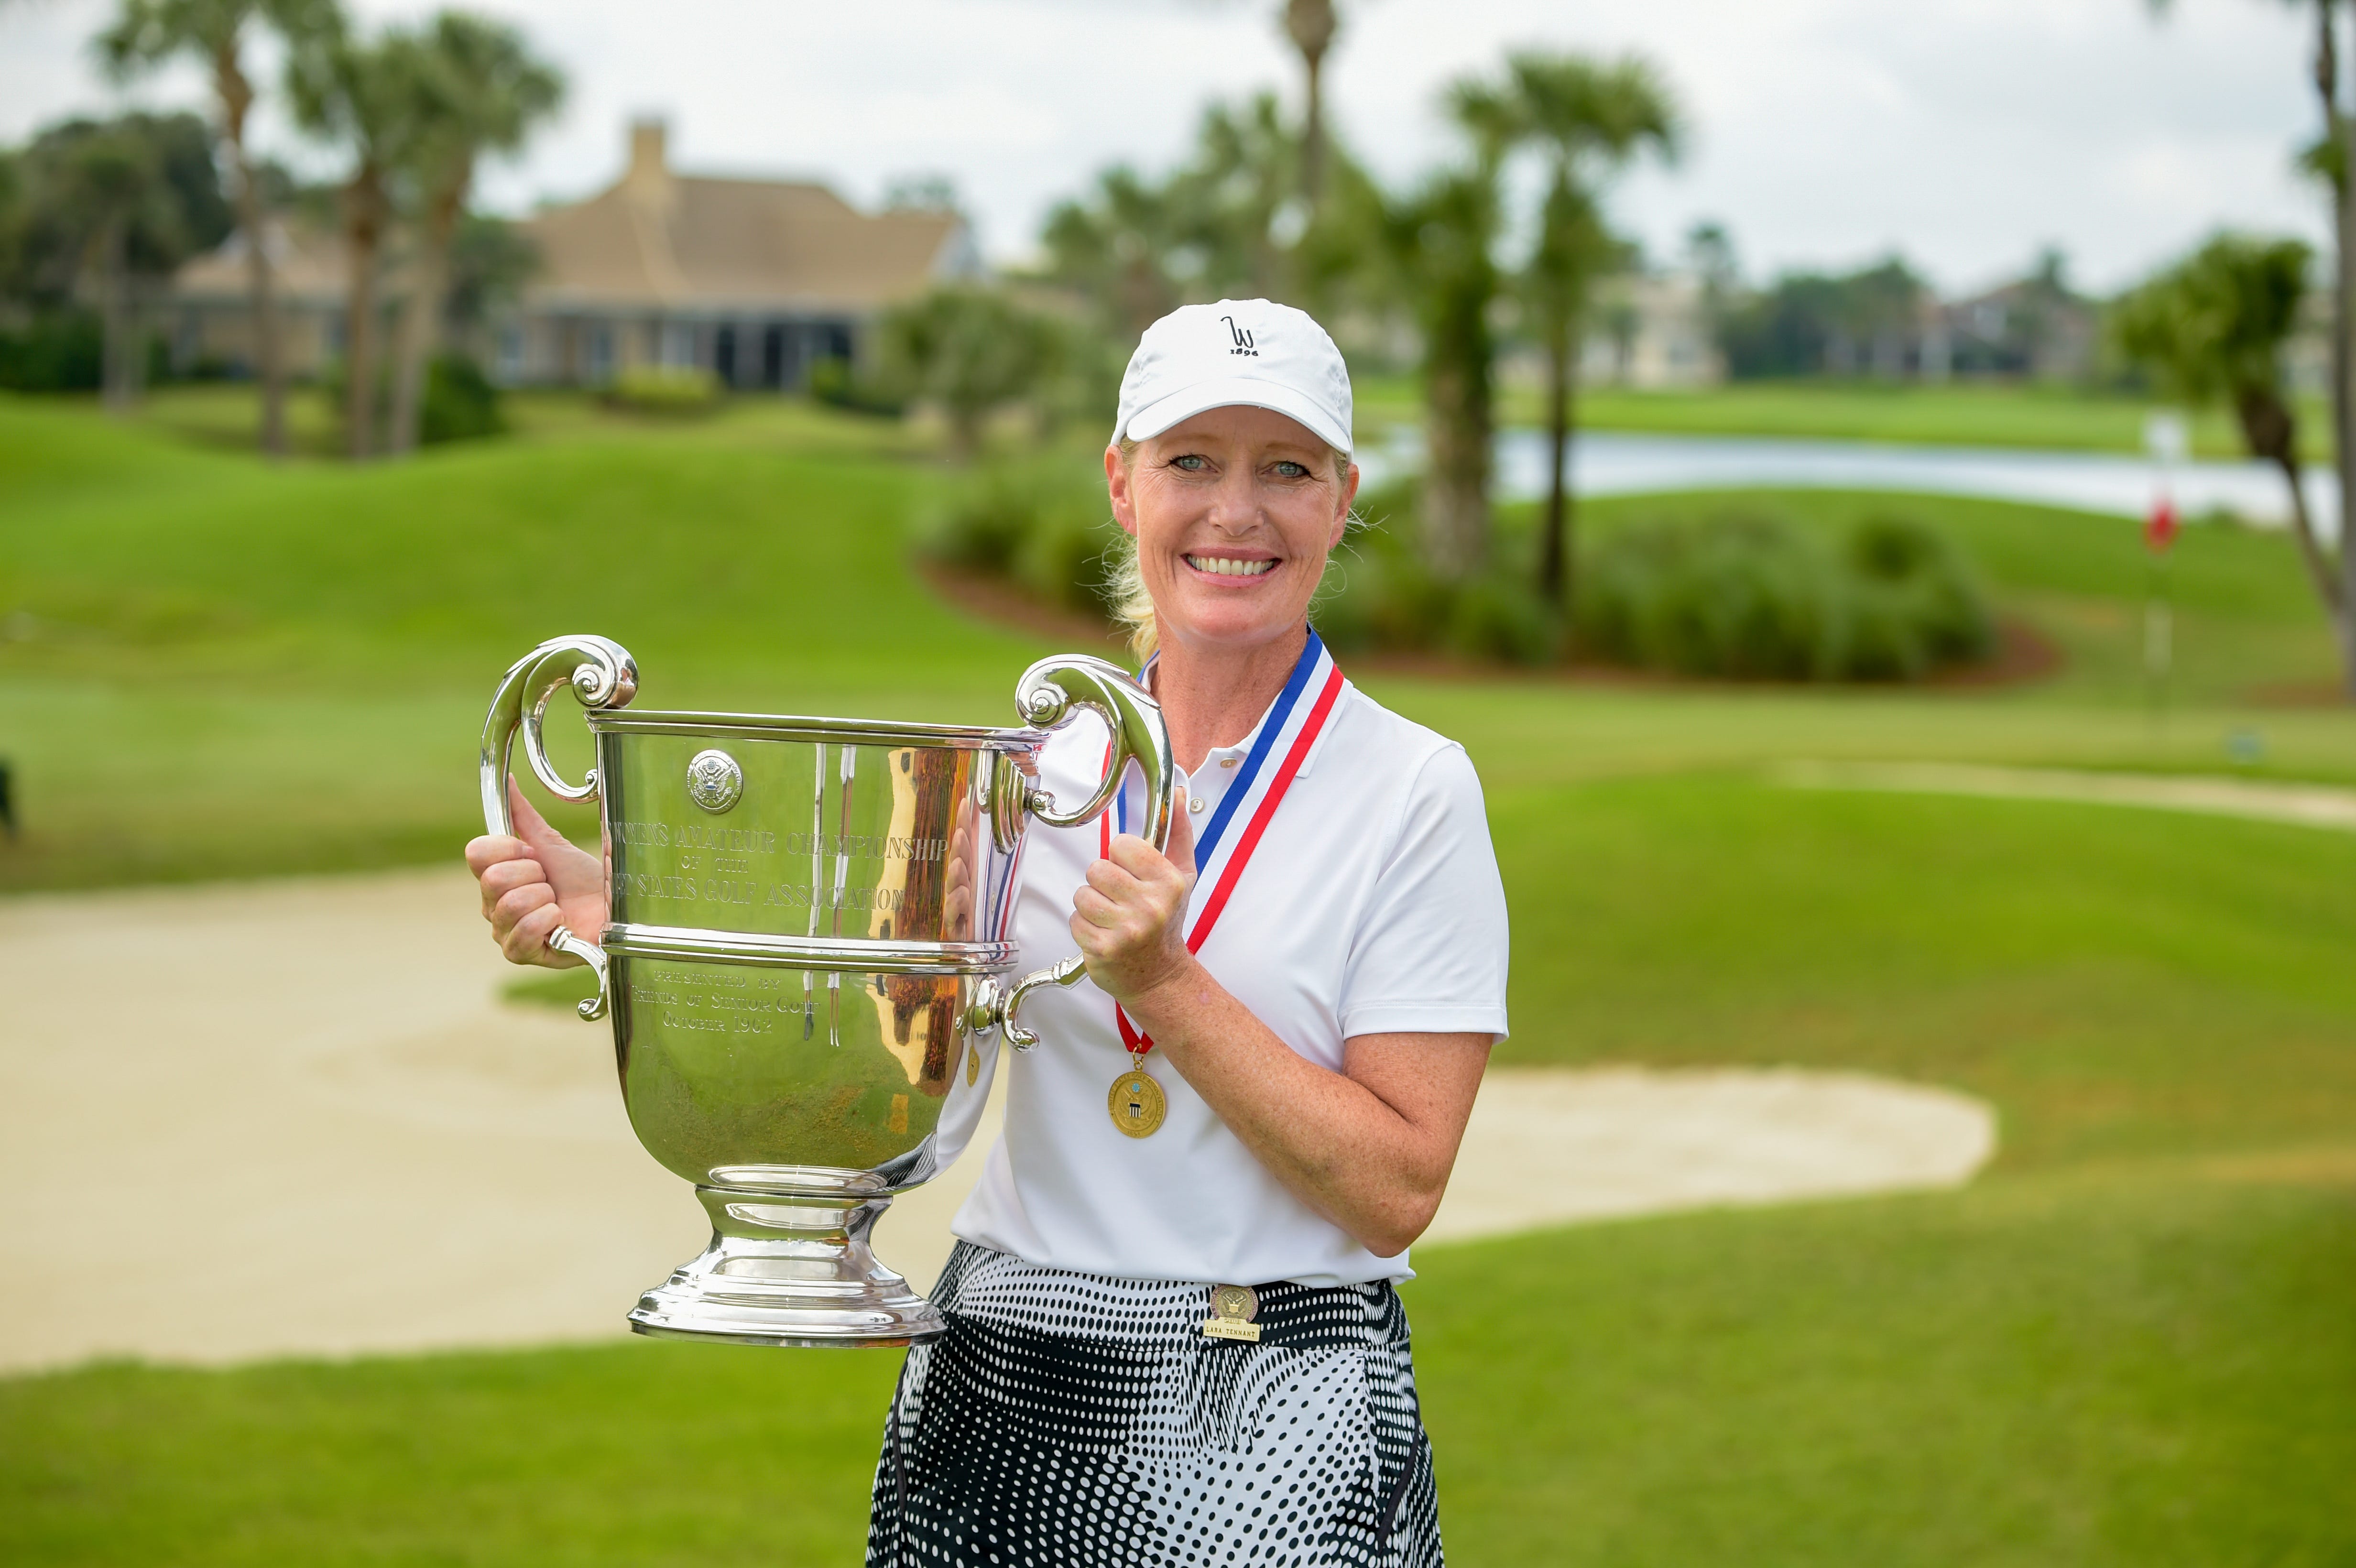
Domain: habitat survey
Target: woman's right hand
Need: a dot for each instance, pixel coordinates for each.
(534, 882)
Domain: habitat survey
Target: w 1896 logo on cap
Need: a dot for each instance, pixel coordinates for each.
(1185, 364)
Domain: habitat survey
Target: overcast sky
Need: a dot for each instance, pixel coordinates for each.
(1965, 133)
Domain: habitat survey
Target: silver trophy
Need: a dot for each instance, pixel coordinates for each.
(809, 961)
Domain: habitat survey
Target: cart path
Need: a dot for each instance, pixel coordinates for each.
(292, 1117)
(2300, 805)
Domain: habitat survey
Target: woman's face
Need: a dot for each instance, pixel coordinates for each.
(1233, 513)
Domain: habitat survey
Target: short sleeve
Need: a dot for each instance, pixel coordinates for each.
(1429, 957)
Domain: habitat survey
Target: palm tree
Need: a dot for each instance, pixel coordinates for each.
(1115, 245)
(1441, 242)
(109, 208)
(1232, 199)
(370, 96)
(112, 183)
(1588, 119)
(484, 93)
(2333, 157)
(145, 34)
(2211, 328)
(1310, 25)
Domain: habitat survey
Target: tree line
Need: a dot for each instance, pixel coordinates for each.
(1270, 207)
(1441, 270)
(108, 210)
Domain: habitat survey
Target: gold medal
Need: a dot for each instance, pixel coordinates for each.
(1137, 1103)
(1232, 1309)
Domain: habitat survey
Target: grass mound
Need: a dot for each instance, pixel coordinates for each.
(210, 668)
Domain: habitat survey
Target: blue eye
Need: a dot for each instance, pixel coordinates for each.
(1292, 470)
(1193, 463)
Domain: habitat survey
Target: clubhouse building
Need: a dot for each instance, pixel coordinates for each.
(755, 280)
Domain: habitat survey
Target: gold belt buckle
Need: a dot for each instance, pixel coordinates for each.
(1232, 1309)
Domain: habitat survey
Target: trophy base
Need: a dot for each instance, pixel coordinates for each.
(788, 1269)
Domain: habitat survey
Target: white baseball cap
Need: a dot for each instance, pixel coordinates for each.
(1252, 352)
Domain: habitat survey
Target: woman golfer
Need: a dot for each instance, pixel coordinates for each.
(1173, 1332)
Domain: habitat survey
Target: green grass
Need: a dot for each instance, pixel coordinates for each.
(2122, 984)
(2107, 1370)
(2115, 1369)
(640, 1453)
(210, 668)
(1958, 414)
(2126, 1344)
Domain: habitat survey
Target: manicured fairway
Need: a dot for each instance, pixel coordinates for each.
(2129, 1344)
(1961, 414)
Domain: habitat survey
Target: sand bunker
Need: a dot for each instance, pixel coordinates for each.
(293, 1118)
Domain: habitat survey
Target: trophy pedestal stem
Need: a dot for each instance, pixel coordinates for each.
(788, 1269)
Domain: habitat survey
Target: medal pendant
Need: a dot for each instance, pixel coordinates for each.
(1232, 1307)
(1137, 1103)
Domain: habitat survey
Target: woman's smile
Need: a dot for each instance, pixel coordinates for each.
(1228, 564)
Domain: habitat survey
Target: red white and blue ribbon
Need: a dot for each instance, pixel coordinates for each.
(1225, 847)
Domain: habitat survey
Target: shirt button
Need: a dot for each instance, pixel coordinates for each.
(1195, 804)
(1227, 762)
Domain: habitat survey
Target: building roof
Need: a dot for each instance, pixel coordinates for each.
(656, 240)
(310, 266)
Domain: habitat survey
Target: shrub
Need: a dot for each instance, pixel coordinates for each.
(1503, 620)
(1745, 596)
(837, 384)
(1043, 524)
(1735, 595)
(460, 402)
(1378, 594)
(58, 351)
(1914, 588)
(665, 389)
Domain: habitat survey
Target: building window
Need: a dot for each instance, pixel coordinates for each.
(678, 345)
(511, 353)
(601, 353)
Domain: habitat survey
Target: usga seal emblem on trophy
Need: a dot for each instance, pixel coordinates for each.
(808, 960)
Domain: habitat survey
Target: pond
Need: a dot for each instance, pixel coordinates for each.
(1616, 463)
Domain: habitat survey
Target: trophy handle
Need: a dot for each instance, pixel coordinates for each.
(1050, 694)
(602, 674)
(562, 940)
(995, 1008)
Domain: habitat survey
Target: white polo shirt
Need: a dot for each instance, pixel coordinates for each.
(1370, 905)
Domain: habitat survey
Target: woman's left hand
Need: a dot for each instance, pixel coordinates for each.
(1129, 918)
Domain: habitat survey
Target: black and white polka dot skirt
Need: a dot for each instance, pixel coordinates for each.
(1069, 1419)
